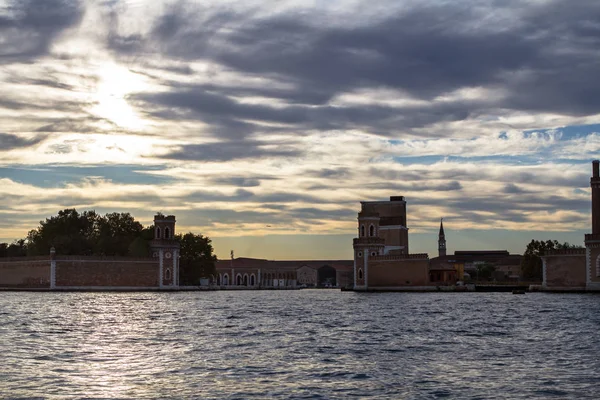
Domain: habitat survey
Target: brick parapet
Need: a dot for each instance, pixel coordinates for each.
(565, 252)
(368, 241)
(400, 257)
(24, 259)
(591, 237)
(104, 258)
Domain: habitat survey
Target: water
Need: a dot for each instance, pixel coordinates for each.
(299, 344)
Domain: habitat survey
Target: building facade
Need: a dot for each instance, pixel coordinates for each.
(381, 254)
(243, 273)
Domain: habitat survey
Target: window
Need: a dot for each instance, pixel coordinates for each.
(158, 232)
(371, 230)
(373, 254)
(362, 230)
(167, 233)
(225, 280)
(168, 274)
(252, 280)
(359, 254)
(360, 274)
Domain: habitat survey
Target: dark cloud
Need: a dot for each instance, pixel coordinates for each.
(334, 173)
(463, 174)
(239, 181)
(543, 55)
(416, 186)
(513, 189)
(28, 27)
(231, 150)
(311, 213)
(9, 141)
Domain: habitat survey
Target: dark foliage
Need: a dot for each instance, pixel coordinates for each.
(197, 258)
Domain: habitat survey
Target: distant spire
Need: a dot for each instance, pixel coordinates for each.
(442, 240)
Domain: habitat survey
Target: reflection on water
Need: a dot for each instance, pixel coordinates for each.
(299, 344)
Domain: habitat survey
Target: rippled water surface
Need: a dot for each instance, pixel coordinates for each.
(299, 344)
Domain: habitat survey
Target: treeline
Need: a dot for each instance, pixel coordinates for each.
(531, 264)
(112, 234)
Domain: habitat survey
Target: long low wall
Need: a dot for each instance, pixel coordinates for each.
(79, 272)
(25, 272)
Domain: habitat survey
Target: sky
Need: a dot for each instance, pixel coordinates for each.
(264, 124)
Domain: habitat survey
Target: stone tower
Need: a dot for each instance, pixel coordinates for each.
(592, 241)
(166, 249)
(441, 240)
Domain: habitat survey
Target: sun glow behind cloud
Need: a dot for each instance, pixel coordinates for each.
(114, 85)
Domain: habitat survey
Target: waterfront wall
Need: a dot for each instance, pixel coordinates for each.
(79, 272)
(564, 270)
(106, 272)
(386, 271)
(25, 272)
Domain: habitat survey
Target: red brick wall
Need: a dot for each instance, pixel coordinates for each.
(106, 272)
(565, 271)
(398, 273)
(31, 272)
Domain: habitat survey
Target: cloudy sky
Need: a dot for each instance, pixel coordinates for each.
(264, 124)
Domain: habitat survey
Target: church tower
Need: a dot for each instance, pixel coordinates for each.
(166, 249)
(441, 240)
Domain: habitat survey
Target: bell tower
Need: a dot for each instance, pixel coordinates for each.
(441, 240)
(166, 249)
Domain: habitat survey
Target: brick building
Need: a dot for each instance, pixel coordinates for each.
(257, 273)
(381, 256)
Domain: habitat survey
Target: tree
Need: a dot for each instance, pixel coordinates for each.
(116, 233)
(197, 258)
(18, 248)
(485, 270)
(87, 233)
(531, 264)
(68, 232)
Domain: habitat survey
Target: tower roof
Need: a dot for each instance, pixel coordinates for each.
(442, 227)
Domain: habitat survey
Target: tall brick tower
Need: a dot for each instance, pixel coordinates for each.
(381, 231)
(441, 240)
(166, 249)
(592, 241)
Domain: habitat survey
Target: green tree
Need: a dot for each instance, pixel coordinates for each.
(139, 248)
(87, 233)
(115, 234)
(485, 270)
(197, 258)
(531, 264)
(18, 248)
(68, 232)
